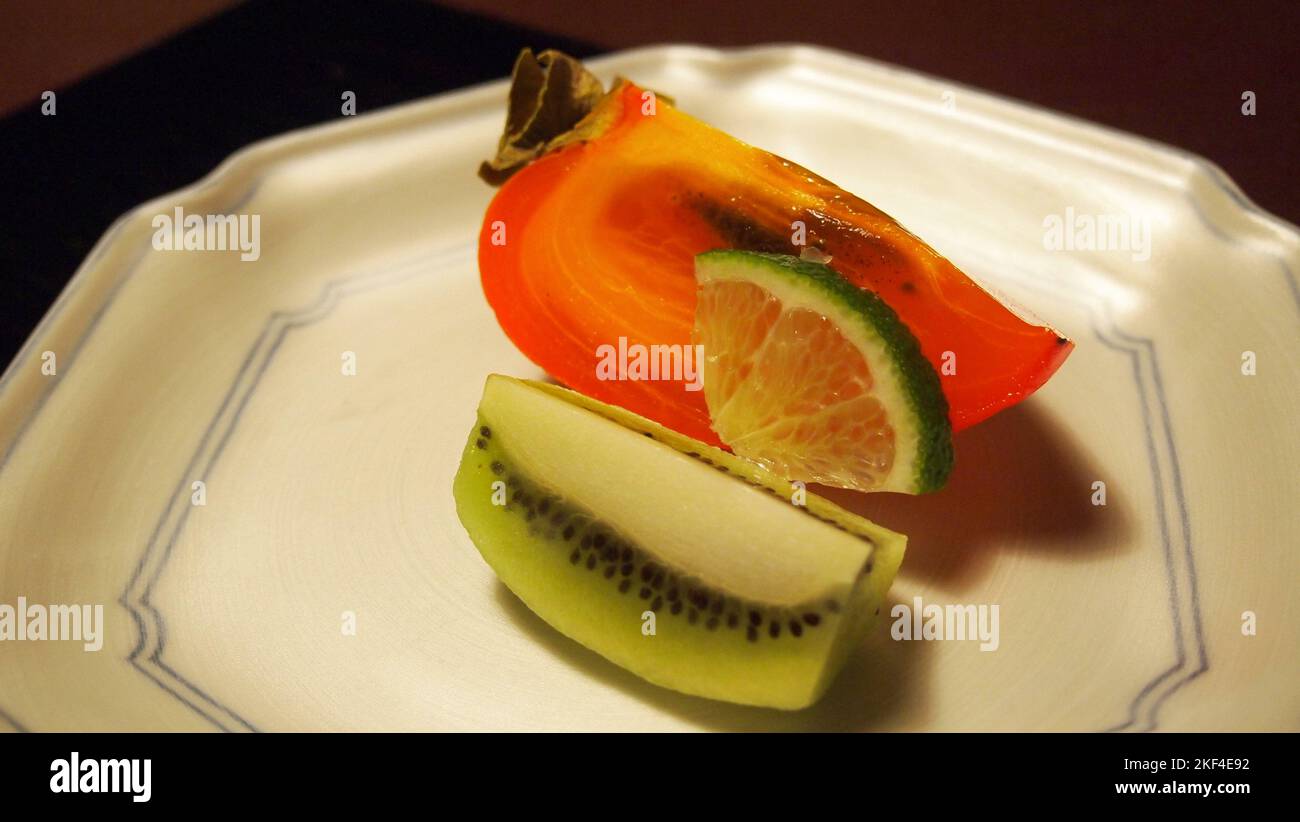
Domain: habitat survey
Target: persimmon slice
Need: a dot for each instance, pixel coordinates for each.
(595, 241)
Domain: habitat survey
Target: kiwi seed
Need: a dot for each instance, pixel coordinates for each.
(656, 584)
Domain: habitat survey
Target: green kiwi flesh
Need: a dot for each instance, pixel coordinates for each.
(690, 567)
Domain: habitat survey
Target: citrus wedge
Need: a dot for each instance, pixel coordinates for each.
(816, 378)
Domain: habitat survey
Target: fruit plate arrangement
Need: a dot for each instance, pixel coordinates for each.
(249, 464)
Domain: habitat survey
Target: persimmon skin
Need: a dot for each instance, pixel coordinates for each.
(596, 241)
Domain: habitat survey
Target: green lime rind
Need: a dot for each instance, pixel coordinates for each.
(912, 372)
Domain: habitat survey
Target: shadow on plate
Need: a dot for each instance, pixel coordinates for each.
(1020, 484)
(878, 688)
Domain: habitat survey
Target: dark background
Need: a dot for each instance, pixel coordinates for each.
(133, 123)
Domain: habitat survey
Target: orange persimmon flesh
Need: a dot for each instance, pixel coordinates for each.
(596, 241)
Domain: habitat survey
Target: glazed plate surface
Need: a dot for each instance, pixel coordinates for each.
(326, 496)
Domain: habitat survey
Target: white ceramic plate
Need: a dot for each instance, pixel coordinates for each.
(329, 494)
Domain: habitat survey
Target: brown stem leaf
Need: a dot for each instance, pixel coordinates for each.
(549, 94)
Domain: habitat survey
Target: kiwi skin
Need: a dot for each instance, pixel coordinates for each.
(584, 579)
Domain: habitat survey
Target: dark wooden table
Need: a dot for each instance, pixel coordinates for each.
(167, 116)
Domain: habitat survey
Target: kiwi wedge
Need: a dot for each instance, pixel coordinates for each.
(690, 567)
